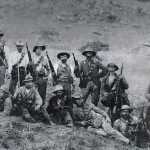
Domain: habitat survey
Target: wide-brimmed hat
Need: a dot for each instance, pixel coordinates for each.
(89, 49)
(19, 43)
(4, 88)
(1, 33)
(39, 45)
(113, 65)
(63, 53)
(28, 78)
(58, 87)
(126, 107)
(77, 96)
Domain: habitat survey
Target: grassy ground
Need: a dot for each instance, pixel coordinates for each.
(67, 25)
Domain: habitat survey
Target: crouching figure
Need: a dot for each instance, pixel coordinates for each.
(5, 100)
(28, 103)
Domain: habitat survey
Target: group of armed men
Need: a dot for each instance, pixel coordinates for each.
(25, 95)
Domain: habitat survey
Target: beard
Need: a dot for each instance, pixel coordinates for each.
(28, 87)
(64, 61)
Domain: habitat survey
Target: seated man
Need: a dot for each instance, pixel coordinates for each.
(132, 127)
(5, 100)
(127, 123)
(29, 103)
(58, 107)
(94, 119)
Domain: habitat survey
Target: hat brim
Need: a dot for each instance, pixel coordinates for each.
(130, 110)
(27, 80)
(93, 53)
(35, 47)
(115, 66)
(17, 44)
(61, 54)
(4, 91)
(55, 91)
(1, 34)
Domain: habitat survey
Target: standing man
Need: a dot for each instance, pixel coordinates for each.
(17, 66)
(109, 89)
(28, 103)
(64, 74)
(4, 59)
(42, 70)
(89, 69)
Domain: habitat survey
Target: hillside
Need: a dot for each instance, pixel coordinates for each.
(66, 25)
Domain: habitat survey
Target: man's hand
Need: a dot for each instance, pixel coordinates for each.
(106, 94)
(83, 123)
(37, 107)
(122, 77)
(8, 75)
(73, 89)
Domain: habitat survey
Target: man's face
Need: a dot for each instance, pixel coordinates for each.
(125, 114)
(29, 84)
(1, 46)
(63, 58)
(39, 50)
(89, 55)
(20, 48)
(79, 101)
(111, 69)
(59, 93)
(1, 94)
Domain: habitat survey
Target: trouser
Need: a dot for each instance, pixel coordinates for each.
(6, 106)
(107, 130)
(41, 83)
(67, 88)
(77, 115)
(2, 75)
(94, 90)
(40, 114)
(147, 118)
(63, 116)
(13, 84)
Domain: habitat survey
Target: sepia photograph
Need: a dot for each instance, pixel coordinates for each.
(74, 74)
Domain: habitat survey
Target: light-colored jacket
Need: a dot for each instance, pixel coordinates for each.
(34, 95)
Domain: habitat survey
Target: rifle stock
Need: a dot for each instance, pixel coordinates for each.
(78, 74)
(52, 69)
(30, 68)
(118, 90)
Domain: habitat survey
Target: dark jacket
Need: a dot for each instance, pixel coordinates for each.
(92, 71)
(106, 88)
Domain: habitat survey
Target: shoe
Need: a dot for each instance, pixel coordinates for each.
(70, 124)
(29, 119)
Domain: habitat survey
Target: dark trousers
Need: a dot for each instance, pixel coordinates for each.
(92, 89)
(67, 88)
(41, 84)
(2, 75)
(62, 116)
(147, 118)
(37, 115)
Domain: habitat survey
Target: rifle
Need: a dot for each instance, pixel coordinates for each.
(118, 90)
(30, 68)
(52, 69)
(3, 56)
(142, 133)
(78, 74)
(18, 83)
